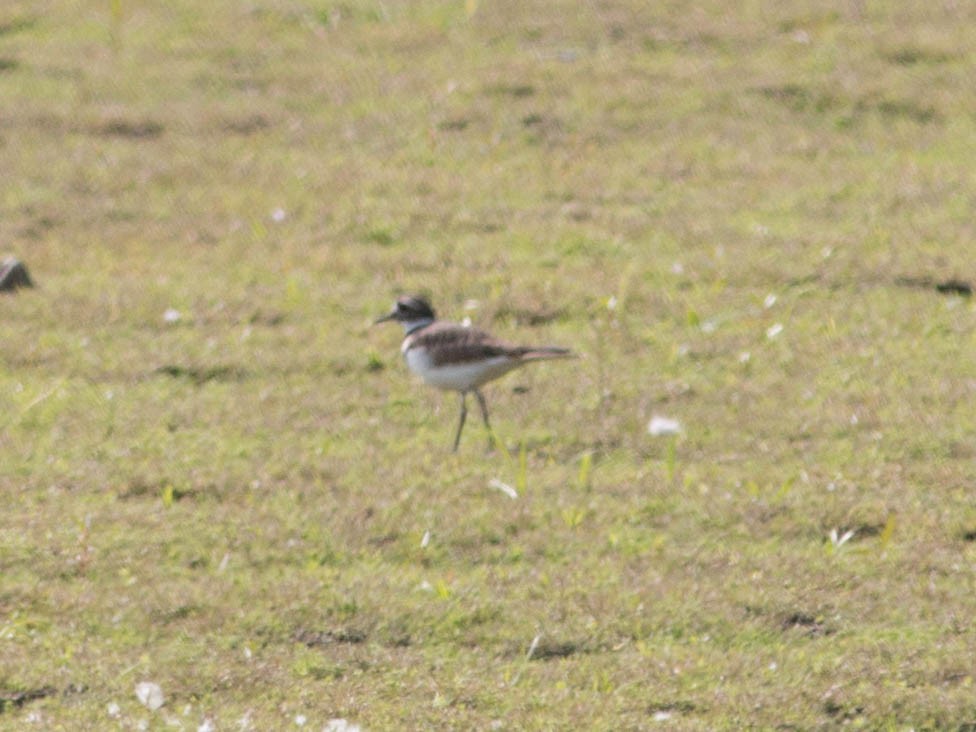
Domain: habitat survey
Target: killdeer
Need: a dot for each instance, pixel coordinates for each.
(454, 357)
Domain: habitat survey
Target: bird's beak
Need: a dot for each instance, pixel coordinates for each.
(389, 316)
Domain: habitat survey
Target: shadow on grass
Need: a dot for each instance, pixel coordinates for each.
(201, 375)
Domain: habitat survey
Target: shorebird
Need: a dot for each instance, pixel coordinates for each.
(453, 357)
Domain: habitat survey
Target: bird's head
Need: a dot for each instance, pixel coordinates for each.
(410, 311)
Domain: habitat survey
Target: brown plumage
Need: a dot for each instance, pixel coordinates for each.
(453, 357)
(449, 343)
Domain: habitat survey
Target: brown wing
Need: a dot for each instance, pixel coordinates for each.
(453, 343)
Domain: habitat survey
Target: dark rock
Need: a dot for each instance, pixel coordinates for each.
(13, 275)
(952, 286)
(955, 287)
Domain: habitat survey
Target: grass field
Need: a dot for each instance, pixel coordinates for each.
(217, 478)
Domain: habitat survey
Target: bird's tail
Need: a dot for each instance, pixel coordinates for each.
(541, 353)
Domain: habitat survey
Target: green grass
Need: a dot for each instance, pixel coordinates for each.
(736, 216)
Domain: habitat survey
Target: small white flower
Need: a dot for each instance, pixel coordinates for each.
(300, 720)
(172, 315)
(114, 710)
(612, 303)
(744, 357)
(769, 301)
(774, 330)
(504, 488)
(839, 541)
(661, 426)
(150, 695)
(340, 725)
(278, 215)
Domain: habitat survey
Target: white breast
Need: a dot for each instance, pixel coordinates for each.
(457, 377)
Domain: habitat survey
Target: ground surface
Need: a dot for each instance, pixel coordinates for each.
(216, 478)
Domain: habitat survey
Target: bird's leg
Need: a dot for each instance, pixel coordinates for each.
(484, 414)
(464, 414)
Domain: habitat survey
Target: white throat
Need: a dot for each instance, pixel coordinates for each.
(409, 326)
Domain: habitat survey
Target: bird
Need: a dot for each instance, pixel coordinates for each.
(454, 357)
